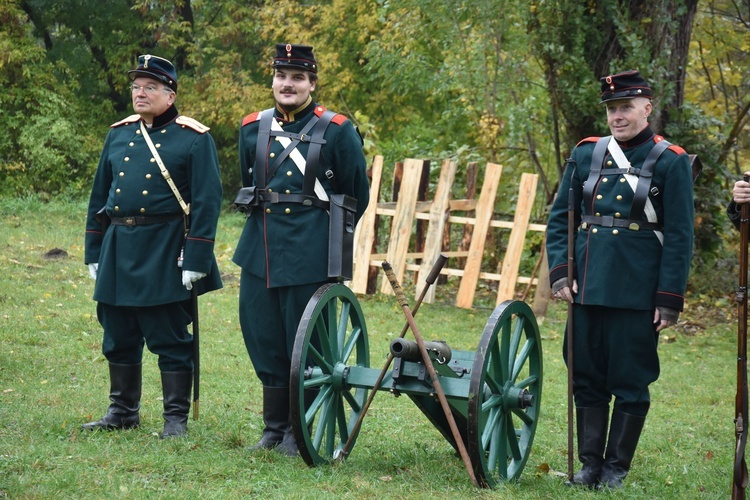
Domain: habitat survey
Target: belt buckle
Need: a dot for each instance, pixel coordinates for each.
(634, 227)
(129, 221)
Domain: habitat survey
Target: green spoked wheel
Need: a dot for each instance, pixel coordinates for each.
(331, 338)
(505, 394)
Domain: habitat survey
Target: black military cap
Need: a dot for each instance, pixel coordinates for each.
(295, 56)
(625, 85)
(157, 68)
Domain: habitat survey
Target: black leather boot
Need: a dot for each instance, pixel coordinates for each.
(591, 426)
(125, 394)
(177, 388)
(288, 445)
(275, 417)
(624, 433)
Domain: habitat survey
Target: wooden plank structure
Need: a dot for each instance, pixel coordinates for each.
(407, 211)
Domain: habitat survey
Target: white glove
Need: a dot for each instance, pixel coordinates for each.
(93, 268)
(190, 277)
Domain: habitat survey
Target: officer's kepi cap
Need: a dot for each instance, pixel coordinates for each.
(627, 85)
(157, 68)
(295, 56)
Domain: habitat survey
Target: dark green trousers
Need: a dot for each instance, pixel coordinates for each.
(614, 354)
(269, 318)
(163, 329)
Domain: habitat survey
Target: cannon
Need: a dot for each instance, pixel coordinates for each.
(485, 403)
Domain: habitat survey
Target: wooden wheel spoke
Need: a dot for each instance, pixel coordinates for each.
(522, 358)
(351, 344)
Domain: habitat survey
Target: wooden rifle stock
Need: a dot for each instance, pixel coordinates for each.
(739, 479)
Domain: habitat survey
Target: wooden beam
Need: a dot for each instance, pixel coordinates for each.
(512, 259)
(485, 210)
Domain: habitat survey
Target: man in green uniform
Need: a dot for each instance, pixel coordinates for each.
(294, 157)
(158, 246)
(633, 214)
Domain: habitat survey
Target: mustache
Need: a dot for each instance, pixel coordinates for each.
(287, 90)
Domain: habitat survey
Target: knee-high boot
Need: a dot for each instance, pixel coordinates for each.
(625, 430)
(176, 388)
(275, 417)
(591, 425)
(125, 394)
(288, 445)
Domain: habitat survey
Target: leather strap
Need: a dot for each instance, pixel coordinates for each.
(609, 221)
(164, 172)
(143, 220)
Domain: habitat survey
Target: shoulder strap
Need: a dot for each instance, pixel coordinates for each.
(644, 179)
(261, 147)
(164, 171)
(125, 121)
(295, 139)
(597, 157)
(313, 153)
(192, 123)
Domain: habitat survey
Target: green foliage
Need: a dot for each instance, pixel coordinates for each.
(510, 81)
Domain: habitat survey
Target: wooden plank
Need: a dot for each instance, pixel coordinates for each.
(365, 232)
(512, 259)
(403, 220)
(433, 239)
(485, 210)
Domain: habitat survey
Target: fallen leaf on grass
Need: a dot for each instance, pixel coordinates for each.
(386, 478)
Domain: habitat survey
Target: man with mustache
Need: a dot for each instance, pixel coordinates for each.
(632, 207)
(294, 159)
(156, 245)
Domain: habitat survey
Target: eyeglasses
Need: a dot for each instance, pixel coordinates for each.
(149, 89)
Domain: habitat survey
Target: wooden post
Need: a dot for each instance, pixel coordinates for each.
(403, 220)
(436, 226)
(484, 211)
(512, 259)
(364, 236)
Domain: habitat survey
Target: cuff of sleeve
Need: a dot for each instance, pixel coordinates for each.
(669, 301)
(668, 314)
(558, 273)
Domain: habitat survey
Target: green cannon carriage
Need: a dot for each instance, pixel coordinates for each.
(493, 394)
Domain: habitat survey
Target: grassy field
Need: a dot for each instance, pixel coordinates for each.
(53, 378)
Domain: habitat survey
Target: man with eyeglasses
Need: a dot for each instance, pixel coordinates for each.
(150, 231)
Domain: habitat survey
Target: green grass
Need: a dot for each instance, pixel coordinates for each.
(53, 378)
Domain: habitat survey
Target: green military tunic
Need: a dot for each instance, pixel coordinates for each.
(622, 274)
(618, 267)
(287, 243)
(139, 286)
(138, 264)
(283, 250)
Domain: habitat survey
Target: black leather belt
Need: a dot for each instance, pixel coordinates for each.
(609, 221)
(143, 220)
(292, 198)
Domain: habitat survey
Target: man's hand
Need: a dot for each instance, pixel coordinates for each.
(93, 269)
(565, 292)
(661, 324)
(190, 277)
(741, 191)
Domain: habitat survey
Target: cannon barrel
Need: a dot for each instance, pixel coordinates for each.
(409, 350)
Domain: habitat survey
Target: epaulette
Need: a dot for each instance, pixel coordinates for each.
(252, 117)
(191, 123)
(126, 121)
(588, 139)
(338, 119)
(672, 147)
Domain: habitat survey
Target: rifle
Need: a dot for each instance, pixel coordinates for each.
(739, 480)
